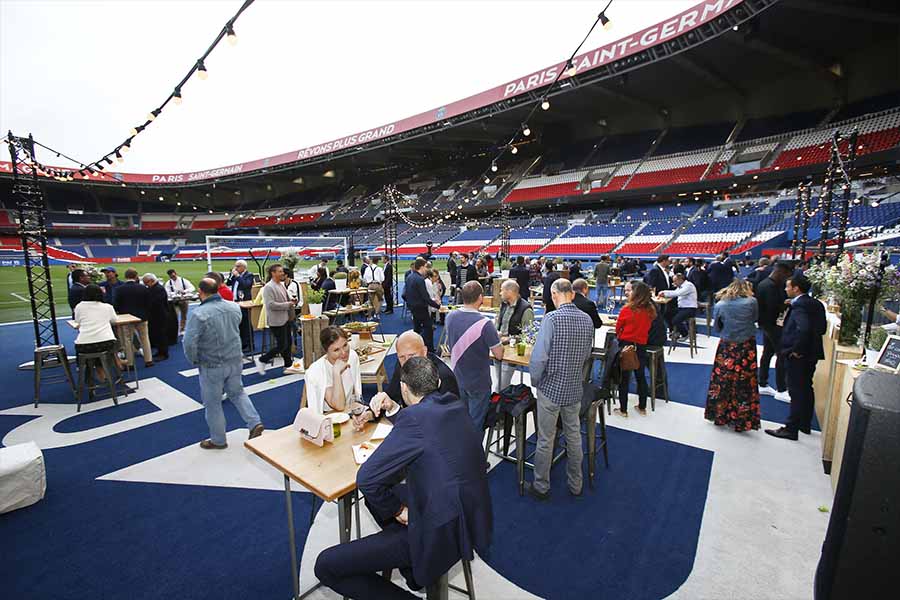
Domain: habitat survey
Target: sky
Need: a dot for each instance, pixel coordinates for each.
(78, 74)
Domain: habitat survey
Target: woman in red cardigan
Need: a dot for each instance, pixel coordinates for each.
(633, 327)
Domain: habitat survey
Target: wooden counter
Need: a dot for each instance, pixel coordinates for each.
(839, 413)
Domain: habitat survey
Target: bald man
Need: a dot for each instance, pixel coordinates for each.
(409, 344)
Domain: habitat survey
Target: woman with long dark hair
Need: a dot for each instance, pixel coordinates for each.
(632, 329)
(733, 396)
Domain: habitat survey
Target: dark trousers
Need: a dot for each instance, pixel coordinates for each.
(389, 298)
(281, 335)
(800, 386)
(246, 332)
(424, 326)
(679, 319)
(772, 347)
(639, 376)
(352, 569)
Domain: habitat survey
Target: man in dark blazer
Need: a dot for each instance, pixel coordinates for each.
(131, 297)
(585, 304)
(696, 274)
(658, 277)
(453, 269)
(439, 516)
(720, 274)
(801, 345)
(240, 282)
(80, 280)
(418, 302)
(551, 276)
(520, 273)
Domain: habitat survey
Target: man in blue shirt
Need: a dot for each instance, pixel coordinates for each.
(212, 341)
(109, 286)
(473, 339)
(418, 301)
(558, 360)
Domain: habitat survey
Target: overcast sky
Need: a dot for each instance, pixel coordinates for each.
(79, 74)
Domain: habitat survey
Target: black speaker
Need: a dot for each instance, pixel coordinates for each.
(859, 556)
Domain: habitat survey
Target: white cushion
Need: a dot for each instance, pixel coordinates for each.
(23, 479)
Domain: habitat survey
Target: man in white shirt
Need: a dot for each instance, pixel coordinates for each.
(373, 277)
(686, 295)
(176, 287)
(314, 270)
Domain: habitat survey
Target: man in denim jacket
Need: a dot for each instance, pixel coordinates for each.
(212, 341)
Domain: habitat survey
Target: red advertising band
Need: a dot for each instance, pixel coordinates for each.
(680, 24)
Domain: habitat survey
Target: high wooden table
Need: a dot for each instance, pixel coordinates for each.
(253, 311)
(328, 471)
(126, 326)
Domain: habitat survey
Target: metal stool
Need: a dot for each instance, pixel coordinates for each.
(594, 410)
(440, 589)
(657, 360)
(519, 424)
(50, 356)
(692, 338)
(109, 366)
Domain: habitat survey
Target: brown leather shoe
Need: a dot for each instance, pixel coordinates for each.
(208, 445)
(256, 431)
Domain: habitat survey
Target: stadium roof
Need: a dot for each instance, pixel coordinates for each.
(747, 58)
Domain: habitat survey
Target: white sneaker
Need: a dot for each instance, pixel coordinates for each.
(260, 366)
(767, 390)
(783, 396)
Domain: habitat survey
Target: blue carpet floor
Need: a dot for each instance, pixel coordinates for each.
(634, 538)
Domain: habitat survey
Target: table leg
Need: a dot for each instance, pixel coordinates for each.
(295, 575)
(144, 332)
(345, 516)
(126, 337)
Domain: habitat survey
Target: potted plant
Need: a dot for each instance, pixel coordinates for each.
(314, 300)
(876, 341)
(505, 266)
(340, 281)
(558, 263)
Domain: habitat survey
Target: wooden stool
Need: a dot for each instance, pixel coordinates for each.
(53, 356)
(109, 366)
(706, 307)
(692, 338)
(657, 363)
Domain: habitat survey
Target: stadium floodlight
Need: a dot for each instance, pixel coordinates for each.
(264, 248)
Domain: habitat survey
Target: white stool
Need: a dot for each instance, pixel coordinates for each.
(23, 479)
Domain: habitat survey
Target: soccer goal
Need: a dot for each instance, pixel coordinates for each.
(263, 249)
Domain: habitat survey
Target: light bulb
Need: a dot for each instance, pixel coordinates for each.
(526, 131)
(605, 22)
(133, 131)
(514, 150)
(474, 193)
(231, 36)
(201, 71)
(545, 105)
(119, 157)
(487, 179)
(572, 71)
(150, 116)
(494, 167)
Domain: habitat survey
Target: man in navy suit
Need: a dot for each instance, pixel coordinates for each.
(657, 277)
(720, 274)
(439, 516)
(801, 346)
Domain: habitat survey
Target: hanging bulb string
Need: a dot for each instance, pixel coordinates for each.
(36, 164)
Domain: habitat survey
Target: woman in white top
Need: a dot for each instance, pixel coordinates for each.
(95, 319)
(339, 364)
(433, 291)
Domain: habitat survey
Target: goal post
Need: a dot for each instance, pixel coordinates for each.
(260, 250)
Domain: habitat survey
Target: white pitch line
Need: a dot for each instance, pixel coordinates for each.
(19, 297)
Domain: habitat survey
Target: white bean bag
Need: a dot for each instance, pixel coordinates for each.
(23, 479)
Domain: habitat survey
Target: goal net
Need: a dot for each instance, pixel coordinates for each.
(262, 249)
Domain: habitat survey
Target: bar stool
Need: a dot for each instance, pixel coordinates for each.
(594, 410)
(706, 307)
(657, 363)
(518, 423)
(54, 355)
(692, 338)
(109, 366)
(440, 589)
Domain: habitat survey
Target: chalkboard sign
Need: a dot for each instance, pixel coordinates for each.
(889, 357)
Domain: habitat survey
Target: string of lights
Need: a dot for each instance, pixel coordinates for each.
(96, 168)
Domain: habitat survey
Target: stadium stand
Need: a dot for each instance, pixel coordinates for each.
(649, 238)
(589, 240)
(711, 236)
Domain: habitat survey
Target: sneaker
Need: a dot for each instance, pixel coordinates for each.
(641, 411)
(256, 431)
(783, 396)
(619, 412)
(531, 491)
(260, 366)
(767, 390)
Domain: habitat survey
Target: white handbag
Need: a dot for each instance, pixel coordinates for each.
(314, 427)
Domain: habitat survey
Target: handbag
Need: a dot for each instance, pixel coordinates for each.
(314, 427)
(628, 358)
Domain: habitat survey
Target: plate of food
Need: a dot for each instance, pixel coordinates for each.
(339, 417)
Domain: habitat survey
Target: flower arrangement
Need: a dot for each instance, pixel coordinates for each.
(852, 281)
(529, 334)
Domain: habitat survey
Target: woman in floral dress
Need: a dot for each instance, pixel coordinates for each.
(733, 397)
